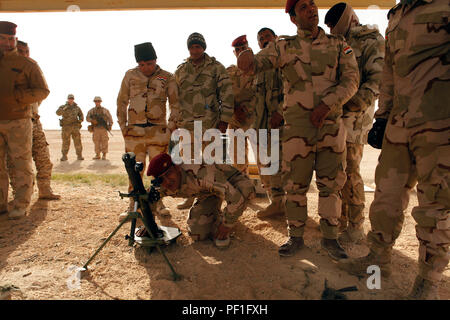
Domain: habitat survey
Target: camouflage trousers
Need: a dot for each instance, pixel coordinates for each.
(206, 215)
(353, 192)
(67, 132)
(15, 143)
(414, 155)
(242, 167)
(100, 139)
(143, 142)
(41, 158)
(271, 183)
(307, 149)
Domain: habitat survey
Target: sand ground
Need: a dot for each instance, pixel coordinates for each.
(38, 253)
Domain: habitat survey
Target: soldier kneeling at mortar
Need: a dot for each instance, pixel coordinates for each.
(210, 185)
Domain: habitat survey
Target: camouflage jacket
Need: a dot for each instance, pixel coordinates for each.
(368, 46)
(269, 97)
(71, 114)
(224, 181)
(323, 69)
(205, 93)
(244, 95)
(21, 84)
(143, 99)
(100, 112)
(415, 83)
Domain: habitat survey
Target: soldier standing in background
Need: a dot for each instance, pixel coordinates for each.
(412, 128)
(205, 93)
(141, 108)
(21, 84)
(101, 124)
(72, 117)
(244, 101)
(40, 150)
(269, 110)
(320, 74)
(368, 46)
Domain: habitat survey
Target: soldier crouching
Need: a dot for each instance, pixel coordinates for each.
(210, 184)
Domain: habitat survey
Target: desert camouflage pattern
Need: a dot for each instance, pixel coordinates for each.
(211, 185)
(244, 96)
(368, 46)
(353, 197)
(414, 98)
(15, 143)
(41, 157)
(269, 98)
(72, 117)
(143, 99)
(100, 134)
(205, 94)
(324, 69)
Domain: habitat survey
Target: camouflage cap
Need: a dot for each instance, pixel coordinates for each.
(159, 164)
(144, 52)
(7, 27)
(97, 98)
(240, 41)
(70, 96)
(196, 38)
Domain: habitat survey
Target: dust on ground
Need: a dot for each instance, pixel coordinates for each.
(39, 253)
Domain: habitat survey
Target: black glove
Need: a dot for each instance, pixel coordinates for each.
(376, 134)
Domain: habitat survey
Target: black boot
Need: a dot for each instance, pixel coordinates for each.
(293, 245)
(334, 249)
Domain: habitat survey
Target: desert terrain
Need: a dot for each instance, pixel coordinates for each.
(39, 253)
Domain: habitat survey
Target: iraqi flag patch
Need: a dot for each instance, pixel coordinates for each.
(161, 78)
(348, 50)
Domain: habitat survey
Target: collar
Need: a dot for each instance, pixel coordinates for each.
(306, 34)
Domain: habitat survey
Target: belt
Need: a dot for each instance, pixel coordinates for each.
(145, 125)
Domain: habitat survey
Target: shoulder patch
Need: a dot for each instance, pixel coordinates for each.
(348, 50)
(284, 37)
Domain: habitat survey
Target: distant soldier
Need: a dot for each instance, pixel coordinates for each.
(141, 108)
(72, 117)
(40, 150)
(21, 84)
(101, 124)
(320, 74)
(269, 111)
(412, 128)
(205, 92)
(244, 100)
(211, 185)
(368, 46)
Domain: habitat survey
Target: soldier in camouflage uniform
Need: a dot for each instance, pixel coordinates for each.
(141, 108)
(101, 124)
(269, 110)
(21, 84)
(414, 110)
(244, 101)
(72, 117)
(205, 93)
(320, 74)
(40, 150)
(211, 185)
(368, 46)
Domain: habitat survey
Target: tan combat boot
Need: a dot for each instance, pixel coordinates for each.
(48, 195)
(17, 213)
(80, 157)
(97, 157)
(104, 156)
(275, 208)
(353, 233)
(64, 157)
(186, 204)
(358, 266)
(423, 289)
